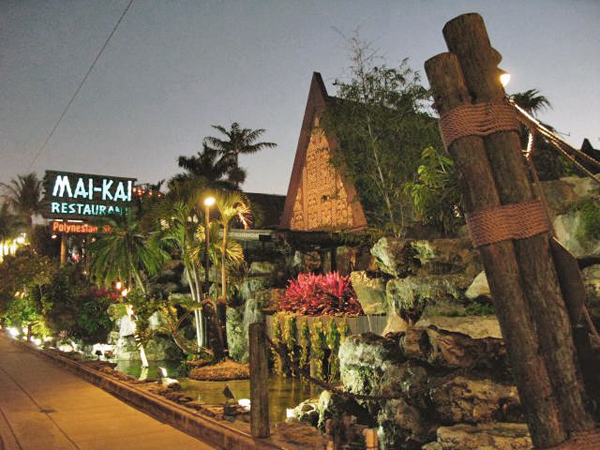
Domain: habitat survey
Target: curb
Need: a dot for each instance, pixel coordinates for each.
(201, 427)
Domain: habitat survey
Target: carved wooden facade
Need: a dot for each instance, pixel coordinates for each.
(319, 196)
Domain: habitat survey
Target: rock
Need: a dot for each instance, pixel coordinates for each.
(449, 350)
(591, 280)
(473, 401)
(349, 259)
(568, 228)
(370, 292)
(498, 436)
(237, 341)
(402, 425)
(446, 256)
(562, 194)
(333, 405)
(262, 268)
(479, 287)
(394, 256)
(364, 358)
(408, 297)
(475, 327)
(126, 326)
(394, 324)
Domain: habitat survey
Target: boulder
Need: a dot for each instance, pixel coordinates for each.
(562, 194)
(498, 436)
(408, 297)
(467, 400)
(569, 231)
(591, 280)
(479, 287)
(364, 359)
(371, 292)
(237, 341)
(402, 425)
(446, 256)
(394, 256)
(452, 350)
(475, 327)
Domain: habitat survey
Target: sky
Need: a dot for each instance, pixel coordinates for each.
(175, 67)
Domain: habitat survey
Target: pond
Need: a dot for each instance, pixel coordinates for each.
(283, 392)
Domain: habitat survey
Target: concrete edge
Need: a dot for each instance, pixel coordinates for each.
(204, 428)
(8, 441)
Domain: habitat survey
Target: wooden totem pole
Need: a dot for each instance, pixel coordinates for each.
(509, 228)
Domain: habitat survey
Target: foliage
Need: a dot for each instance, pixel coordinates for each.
(589, 209)
(312, 295)
(214, 170)
(277, 339)
(548, 163)
(381, 123)
(318, 344)
(24, 195)
(304, 343)
(436, 193)
(237, 141)
(333, 339)
(126, 254)
(72, 307)
(10, 224)
(290, 330)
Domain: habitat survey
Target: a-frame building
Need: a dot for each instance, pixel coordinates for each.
(319, 197)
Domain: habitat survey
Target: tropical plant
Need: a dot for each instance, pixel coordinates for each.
(237, 141)
(24, 195)
(214, 169)
(436, 193)
(313, 295)
(548, 163)
(127, 255)
(381, 121)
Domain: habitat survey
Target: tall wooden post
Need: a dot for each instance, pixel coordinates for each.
(63, 249)
(259, 381)
(523, 281)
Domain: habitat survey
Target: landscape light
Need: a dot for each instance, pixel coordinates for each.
(118, 285)
(13, 332)
(289, 413)
(504, 77)
(244, 403)
(209, 201)
(20, 240)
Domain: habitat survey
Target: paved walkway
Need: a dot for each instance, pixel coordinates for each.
(45, 407)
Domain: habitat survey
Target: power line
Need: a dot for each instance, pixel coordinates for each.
(80, 86)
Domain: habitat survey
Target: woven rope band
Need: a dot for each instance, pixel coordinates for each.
(515, 221)
(477, 120)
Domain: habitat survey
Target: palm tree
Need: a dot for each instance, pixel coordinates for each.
(548, 164)
(230, 205)
(531, 101)
(24, 195)
(128, 255)
(216, 172)
(237, 141)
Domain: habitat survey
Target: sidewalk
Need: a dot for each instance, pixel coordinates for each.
(44, 407)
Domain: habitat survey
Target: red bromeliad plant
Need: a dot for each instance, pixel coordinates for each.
(315, 295)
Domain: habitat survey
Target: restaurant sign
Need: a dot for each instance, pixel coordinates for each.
(84, 196)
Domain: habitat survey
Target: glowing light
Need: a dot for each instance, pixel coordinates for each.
(244, 403)
(37, 341)
(289, 413)
(504, 77)
(209, 201)
(118, 285)
(20, 240)
(124, 292)
(13, 332)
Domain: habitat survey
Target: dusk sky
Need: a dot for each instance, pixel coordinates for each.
(174, 68)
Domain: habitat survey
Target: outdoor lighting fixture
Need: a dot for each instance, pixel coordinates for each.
(13, 332)
(20, 240)
(118, 285)
(54, 236)
(289, 413)
(244, 403)
(504, 77)
(37, 341)
(209, 201)
(124, 292)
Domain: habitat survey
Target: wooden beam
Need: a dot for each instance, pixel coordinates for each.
(259, 381)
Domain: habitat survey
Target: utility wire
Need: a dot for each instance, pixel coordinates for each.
(80, 85)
